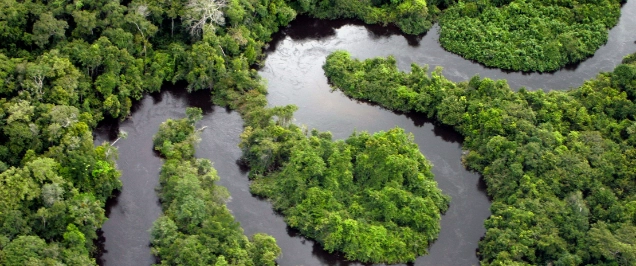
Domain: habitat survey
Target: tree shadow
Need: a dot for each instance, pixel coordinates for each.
(305, 27)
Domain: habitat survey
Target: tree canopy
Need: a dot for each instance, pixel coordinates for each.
(53, 184)
(196, 228)
(559, 166)
(66, 66)
(527, 35)
(372, 197)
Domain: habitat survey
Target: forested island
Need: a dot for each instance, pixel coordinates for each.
(372, 197)
(558, 165)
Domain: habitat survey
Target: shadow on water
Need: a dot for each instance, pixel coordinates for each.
(107, 129)
(199, 98)
(307, 28)
(446, 132)
(100, 242)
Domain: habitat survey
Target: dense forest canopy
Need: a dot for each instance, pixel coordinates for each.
(528, 35)
(64, 66)
(196, 228)
(560, 166)
(371, 197)
(67, 65)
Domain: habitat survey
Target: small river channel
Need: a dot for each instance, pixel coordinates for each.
(294, 75)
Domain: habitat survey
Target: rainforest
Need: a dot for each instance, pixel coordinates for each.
(557, 164)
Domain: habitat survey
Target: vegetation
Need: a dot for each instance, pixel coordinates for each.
(527, 35)
(196, 227)
(99, 56)
(65, 66)
(53, 183)
(559, 166)
(372, 197)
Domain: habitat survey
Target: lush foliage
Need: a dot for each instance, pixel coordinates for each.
(372, 197)
(99, 56)
(527, 35)
(411, 16)
(560, 166)
(53, 183)
(64, 66)
(196, 227)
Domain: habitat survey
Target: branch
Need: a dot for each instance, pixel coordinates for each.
(142, 33)
(122, 135)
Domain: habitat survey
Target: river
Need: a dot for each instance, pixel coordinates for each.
(294, 75)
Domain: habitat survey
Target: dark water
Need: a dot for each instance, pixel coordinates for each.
(294, 74)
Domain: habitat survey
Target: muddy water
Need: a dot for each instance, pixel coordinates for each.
(294, 74)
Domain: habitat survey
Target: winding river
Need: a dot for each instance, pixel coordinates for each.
(294, 74)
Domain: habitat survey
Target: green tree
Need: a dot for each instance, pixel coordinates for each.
(46, 27)
(554, 163)
(195, 219)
